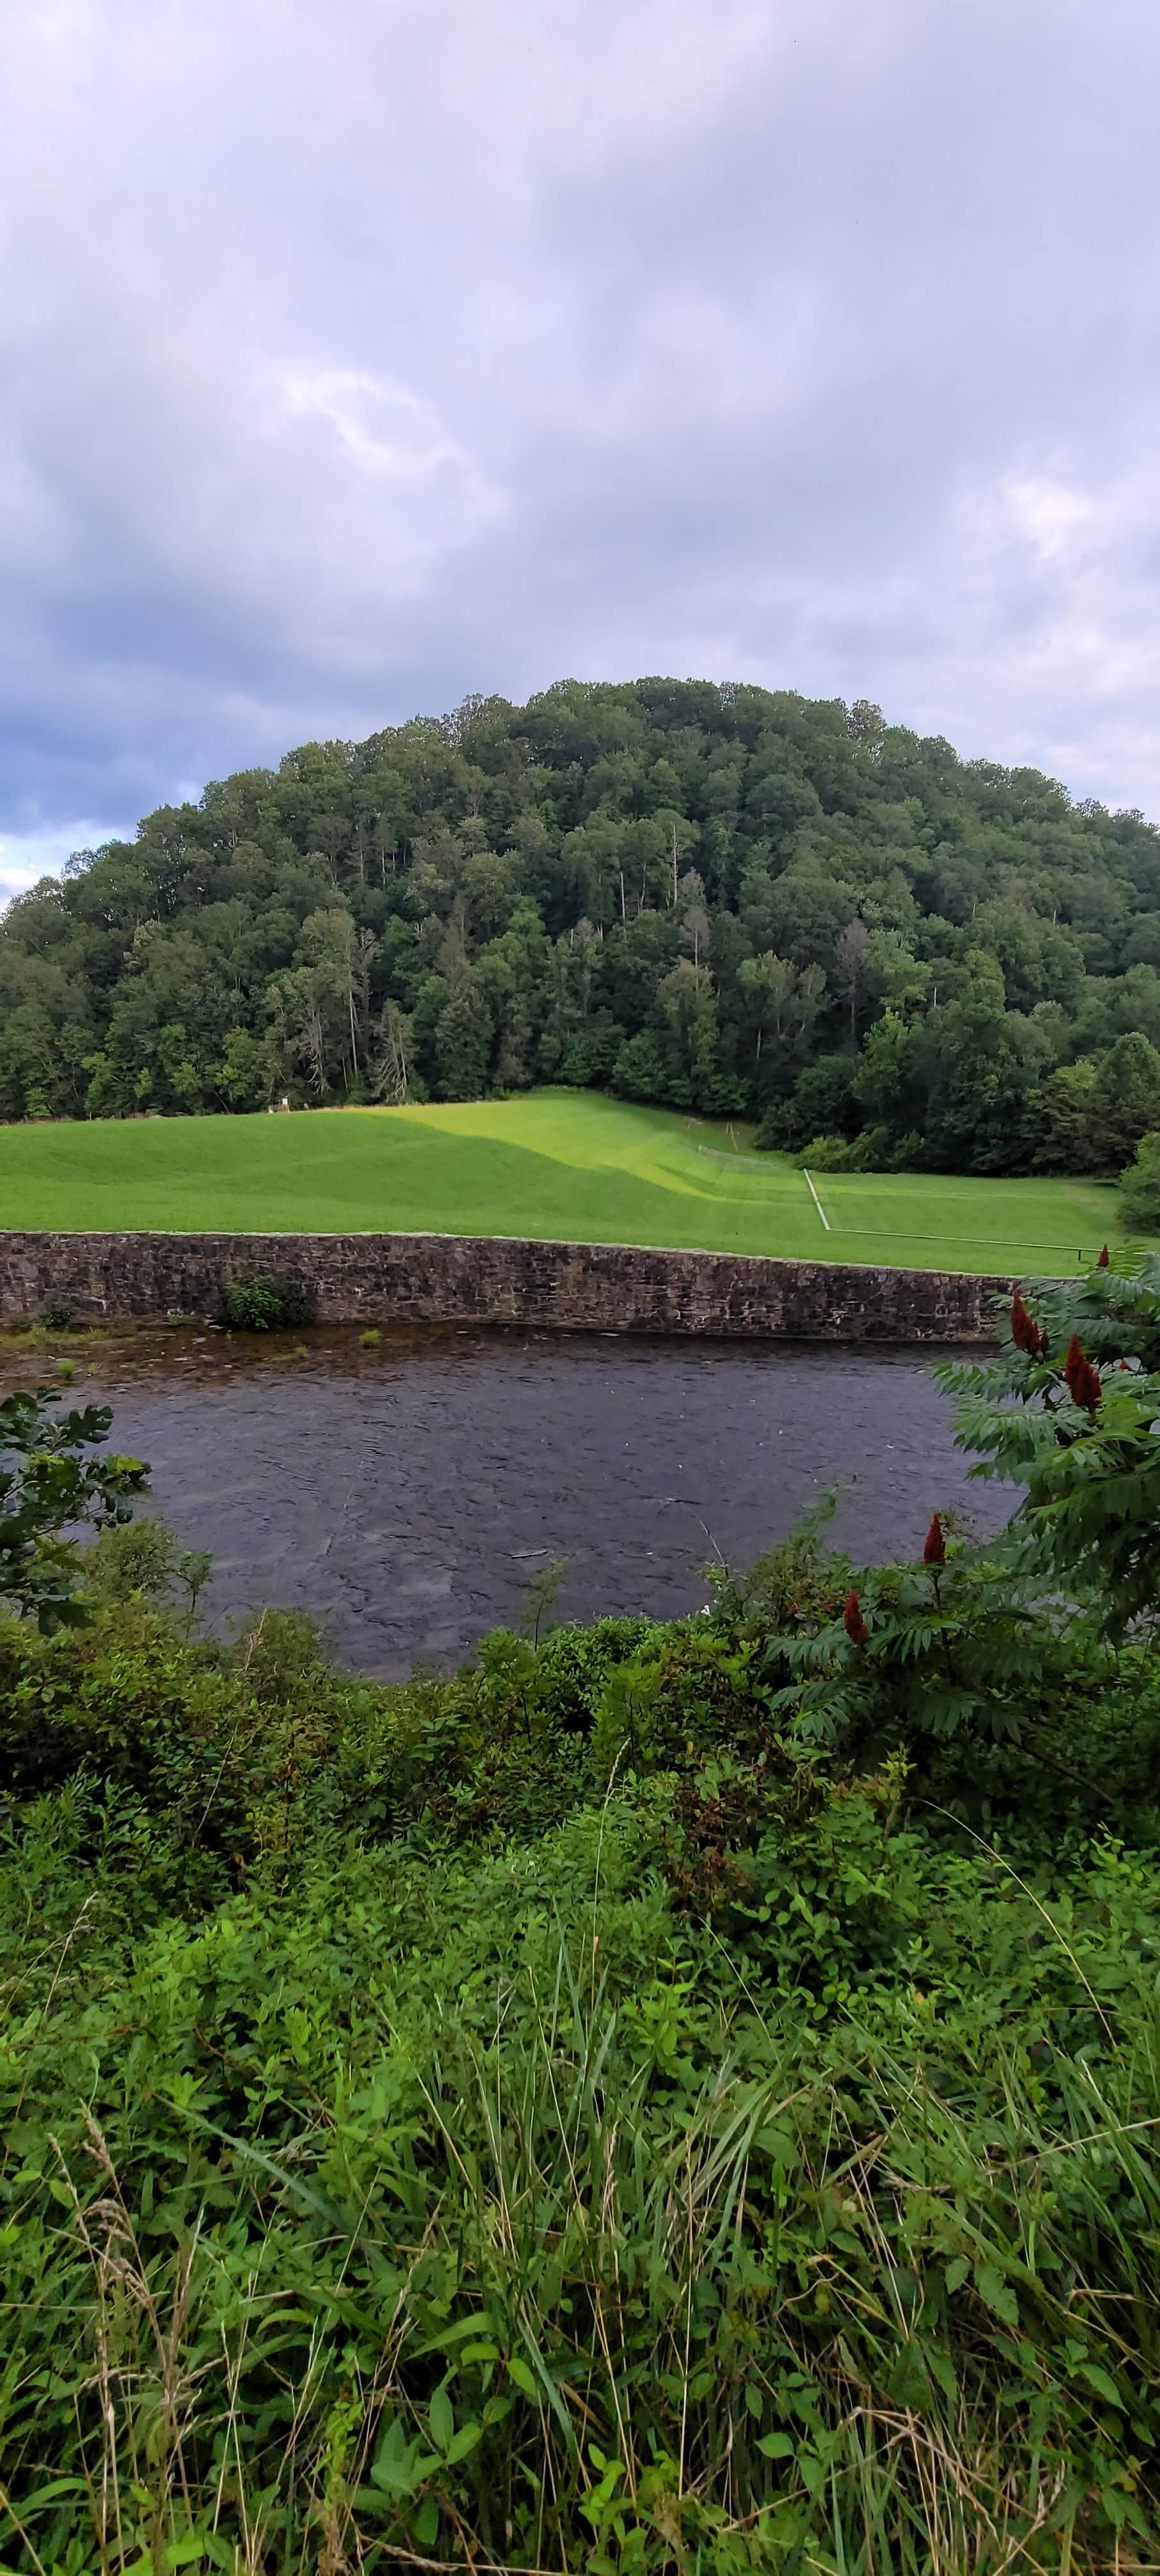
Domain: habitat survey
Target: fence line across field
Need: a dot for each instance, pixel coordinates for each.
(867, 1234)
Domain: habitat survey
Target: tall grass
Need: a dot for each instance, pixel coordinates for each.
(548, 2269)
(547, 2118)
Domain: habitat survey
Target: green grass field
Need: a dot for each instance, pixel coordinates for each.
(564, 1165)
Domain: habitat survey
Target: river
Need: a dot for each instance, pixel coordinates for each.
(407, 1495)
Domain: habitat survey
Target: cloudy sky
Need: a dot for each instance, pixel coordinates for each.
(358, 353)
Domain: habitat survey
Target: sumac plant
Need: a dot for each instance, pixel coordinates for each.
(1070, 1410)
(972, 1639)
(917, 1655)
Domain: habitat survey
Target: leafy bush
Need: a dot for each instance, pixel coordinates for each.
(825, 1154)
(1140, 1187)
(1070, 1412)
(54, 1479)
(822, 1104)
(265, 1303)
(873, 1150)
(143, 1558)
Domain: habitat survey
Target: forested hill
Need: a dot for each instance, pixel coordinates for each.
(724, 899)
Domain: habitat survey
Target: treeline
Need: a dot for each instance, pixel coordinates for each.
(719, 898)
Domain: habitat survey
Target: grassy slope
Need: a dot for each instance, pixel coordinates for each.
(557, 1164)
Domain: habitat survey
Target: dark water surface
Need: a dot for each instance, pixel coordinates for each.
(409, 1494)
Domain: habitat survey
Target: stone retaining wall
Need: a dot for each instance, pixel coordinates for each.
(436, 1278)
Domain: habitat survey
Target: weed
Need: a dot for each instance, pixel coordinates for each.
(268, 1304)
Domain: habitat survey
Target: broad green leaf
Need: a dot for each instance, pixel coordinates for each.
(441, 2417)
(997, 2294)
(1104, 2385)
(393, 2465)
(187, 2549)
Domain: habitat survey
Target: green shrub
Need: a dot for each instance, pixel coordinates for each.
(54, 1479)
(1140, 1188)
(266, 1303)
(822, 1104)
(873, 1150)
(825, 1154)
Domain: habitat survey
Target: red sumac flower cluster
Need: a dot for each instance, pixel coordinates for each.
(1025, 1331)
(853, 1621)
(1080, 1378)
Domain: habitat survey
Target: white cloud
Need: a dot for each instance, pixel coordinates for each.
(355, 357)
(1078, 665)
(26, 857)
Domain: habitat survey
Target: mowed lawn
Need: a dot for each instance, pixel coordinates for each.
(568, 1166)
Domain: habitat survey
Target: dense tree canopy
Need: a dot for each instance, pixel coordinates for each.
(719, 898)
